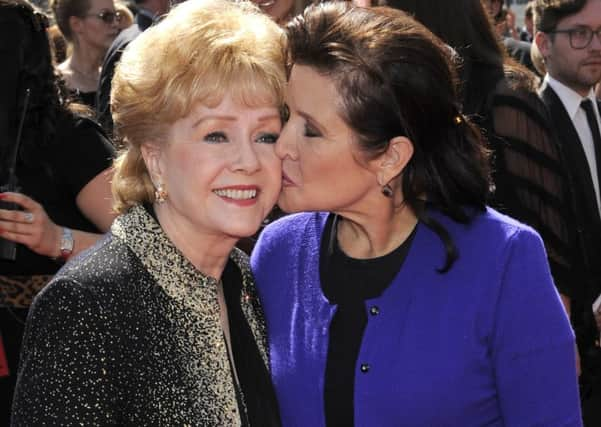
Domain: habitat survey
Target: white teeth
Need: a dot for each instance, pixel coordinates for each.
(237, 194)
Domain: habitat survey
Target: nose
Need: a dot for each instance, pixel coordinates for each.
(286, 143)
(247, 160)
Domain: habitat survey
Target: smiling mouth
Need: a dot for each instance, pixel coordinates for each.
(237, 194)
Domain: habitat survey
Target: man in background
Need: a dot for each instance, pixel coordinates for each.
(568, 35)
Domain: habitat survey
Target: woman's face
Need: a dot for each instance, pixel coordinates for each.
(219, 169)
(99, 27)
(321, 166)
(493, 7)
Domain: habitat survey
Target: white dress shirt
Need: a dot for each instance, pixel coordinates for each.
(571, 101)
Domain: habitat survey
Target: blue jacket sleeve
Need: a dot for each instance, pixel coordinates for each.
(533, 347)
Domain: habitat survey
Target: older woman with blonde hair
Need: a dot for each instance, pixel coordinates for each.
(159, 324)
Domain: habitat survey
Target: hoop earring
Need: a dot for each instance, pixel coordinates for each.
(160, 194)
(387, 190)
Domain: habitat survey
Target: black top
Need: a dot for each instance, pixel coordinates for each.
(86, 98)
(348, 283)
(255, 387)
(79, 152)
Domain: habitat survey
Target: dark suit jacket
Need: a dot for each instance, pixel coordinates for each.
(586, 214)
(112, 57)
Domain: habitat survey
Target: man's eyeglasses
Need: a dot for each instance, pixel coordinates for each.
(107, 16)
(580, 37)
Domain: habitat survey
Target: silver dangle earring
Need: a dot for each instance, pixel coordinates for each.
(387, 190)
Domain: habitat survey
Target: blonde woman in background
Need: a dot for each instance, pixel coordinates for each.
(126, 18)
(159, 323)
(90, 26)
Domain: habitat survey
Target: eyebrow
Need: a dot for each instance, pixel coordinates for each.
(233, 118)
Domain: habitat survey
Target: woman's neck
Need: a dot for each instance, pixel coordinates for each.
(81, 70)
(375, 233)
(86, 60)
(208, 252)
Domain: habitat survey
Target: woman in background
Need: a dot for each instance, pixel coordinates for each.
(90, 26)
(159, 324)
(126, 18)
(61, 171)
(401, 299)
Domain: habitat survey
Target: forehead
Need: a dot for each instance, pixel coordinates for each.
(234, 109)
(311, 89)
(101, 5)
(589, 15)
(315, 97)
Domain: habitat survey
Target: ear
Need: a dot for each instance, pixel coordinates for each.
(152, 155)
(543, 42)
(391, 163)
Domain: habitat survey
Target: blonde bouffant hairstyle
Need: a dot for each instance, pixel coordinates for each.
(198, 52)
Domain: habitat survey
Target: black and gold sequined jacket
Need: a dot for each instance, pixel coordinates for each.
(129, 333)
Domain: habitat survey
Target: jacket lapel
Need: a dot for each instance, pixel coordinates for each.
(194, 295)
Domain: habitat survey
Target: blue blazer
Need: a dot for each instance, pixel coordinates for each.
(487, 343)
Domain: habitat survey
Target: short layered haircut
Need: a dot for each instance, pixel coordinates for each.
(548, 13)
(200, 51)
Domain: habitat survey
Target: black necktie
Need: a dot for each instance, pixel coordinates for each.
(587, 106)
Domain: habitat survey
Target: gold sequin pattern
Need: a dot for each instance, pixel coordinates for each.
(129, 333)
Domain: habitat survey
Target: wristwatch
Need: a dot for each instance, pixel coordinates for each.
(66, 244)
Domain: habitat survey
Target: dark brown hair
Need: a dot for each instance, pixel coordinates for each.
(33, 71)
(484, 61)
(396, 79)
(64, 9)
(548, 13)
(529, 10)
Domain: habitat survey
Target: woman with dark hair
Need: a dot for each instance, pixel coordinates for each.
(529, 181)
(401, 299)
(89, 26)
(54, 169)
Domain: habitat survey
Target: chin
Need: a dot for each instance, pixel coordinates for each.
(289, 205)
(243, 230)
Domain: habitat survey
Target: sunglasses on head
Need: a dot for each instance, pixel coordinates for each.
(107, 16)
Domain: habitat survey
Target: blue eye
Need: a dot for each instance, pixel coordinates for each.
(216, 138)
(267, 138)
